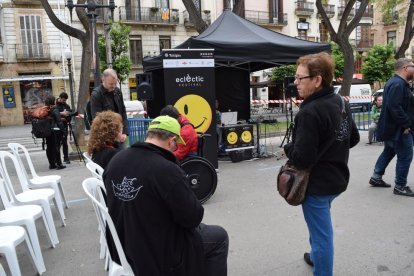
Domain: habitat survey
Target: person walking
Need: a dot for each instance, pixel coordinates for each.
(108, 96)
(64, 111)
(322, 135)
(394, 128)
(155, 212)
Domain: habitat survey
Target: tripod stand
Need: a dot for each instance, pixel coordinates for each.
(289, 124)
(80, 155)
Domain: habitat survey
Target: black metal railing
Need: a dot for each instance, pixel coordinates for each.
(260, 17)
(341, 12)
(329, 9)
(188, 21)
(364, 44)
(149, 15)
(32, 51)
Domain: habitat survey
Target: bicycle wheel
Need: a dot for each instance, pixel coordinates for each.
(202, 177)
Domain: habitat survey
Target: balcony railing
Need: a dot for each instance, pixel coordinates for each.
(149, 15)
(390, 18)
(369, 13)
(32, 51)
(189, 22)
(341, 12)
(265, 18)
(329, 9)
(304, 8)
(364, 44)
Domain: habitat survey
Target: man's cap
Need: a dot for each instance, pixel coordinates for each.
(169, 124)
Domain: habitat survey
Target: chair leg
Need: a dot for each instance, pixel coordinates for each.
(2, 272)
(11, 257)
(32, 233)
(59, 207)
(34, 260)
(49, 234)
(102, 241)
(50, 222)
(63, 195)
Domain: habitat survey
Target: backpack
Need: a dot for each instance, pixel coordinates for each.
(41, 123)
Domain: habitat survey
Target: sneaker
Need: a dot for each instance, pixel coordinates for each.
(369, 143)
(405, 191)
(52, 167)
(378, 183)
(67, 161)
(307, 259)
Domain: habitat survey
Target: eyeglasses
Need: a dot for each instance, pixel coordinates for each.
(299, 79)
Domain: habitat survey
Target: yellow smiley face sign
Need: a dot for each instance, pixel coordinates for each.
(246, 136)
(197, 110)
(232, 138)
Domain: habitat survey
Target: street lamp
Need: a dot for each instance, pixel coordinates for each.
(68, 55)
(91, 7)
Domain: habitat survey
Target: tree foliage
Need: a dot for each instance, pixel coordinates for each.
(338, 57)
(278, 74)
(379, 63)
(121, 62)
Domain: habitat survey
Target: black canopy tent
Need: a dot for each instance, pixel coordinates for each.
(240, 47)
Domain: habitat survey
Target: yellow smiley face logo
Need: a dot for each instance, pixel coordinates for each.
(197, 110)
(232, 138)
(246, 136)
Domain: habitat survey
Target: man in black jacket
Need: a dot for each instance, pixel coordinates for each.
(156, 214)
(108, 96)
(394, 128)
(64, 111)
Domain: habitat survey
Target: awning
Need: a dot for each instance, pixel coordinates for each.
(34, 77)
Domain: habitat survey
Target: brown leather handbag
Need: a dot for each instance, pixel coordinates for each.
(292, 183)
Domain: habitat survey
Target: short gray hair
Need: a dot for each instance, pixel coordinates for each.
(109, 72)
(159, 133)
(401, 62)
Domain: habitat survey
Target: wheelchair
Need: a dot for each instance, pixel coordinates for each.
(201, 173)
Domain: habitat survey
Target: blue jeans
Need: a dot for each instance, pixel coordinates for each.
(403, 148)
(216, 248)
(317, 213)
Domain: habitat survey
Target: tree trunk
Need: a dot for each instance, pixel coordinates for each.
(195, 15)
(408, 33)
(84, 37)
(239, 8)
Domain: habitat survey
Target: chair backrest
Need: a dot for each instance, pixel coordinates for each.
(4, 174)
(17, 148)
(95, 169)
(92, 187)
(87, 157)
(5, 198)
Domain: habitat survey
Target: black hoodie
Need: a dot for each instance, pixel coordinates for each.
(321, 139)
(154, 211)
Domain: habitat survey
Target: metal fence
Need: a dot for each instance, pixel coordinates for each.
(137, 130)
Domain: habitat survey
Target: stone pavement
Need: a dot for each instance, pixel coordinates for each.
(374, 229)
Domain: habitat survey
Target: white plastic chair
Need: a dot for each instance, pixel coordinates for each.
(40, 197)
(95, 169)
(92, 188)
(2, 272)
(10, 237)
(24, 216)
(48, 181)
(87, 157)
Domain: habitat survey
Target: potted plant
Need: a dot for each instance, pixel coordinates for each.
(154, 9)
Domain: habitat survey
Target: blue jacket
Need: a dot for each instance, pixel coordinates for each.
(395, 112)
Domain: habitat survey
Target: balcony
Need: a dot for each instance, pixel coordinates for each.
(390, 18)
(368, 14)
(341, 12)
(304, 8)
(149, 15)
(189, 22)
(364, 45)
(329, 9)
(32, 52)
(265, 18)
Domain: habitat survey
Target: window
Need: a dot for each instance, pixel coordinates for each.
(323, 30)
(302, 34)
(165, 42)
(31, 36)
(135, 46)
(392, 37)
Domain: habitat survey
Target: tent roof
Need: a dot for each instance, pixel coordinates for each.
(240, 43)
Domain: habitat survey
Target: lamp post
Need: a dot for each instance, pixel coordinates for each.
(91, 7)
(68, 55)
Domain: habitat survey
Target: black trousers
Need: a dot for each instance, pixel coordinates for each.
(53, 143)
(64, 142)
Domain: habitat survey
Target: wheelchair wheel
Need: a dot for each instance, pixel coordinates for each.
(202, 177)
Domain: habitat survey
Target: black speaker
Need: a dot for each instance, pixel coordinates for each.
(291, 91)
(144, 86)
